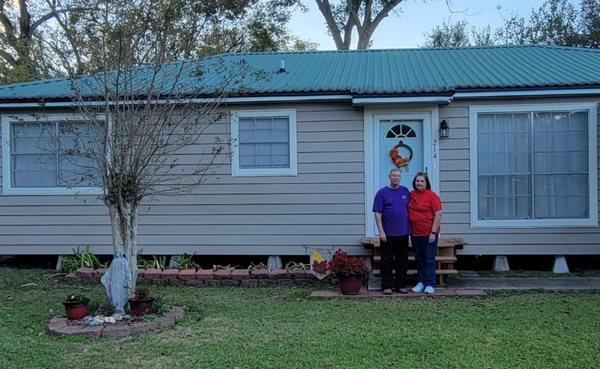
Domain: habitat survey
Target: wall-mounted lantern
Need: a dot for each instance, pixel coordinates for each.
(444, 129)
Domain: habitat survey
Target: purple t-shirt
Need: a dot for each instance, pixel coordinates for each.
(393, 206)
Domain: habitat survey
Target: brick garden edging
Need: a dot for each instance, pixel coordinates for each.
(60, 326)
(209, 277)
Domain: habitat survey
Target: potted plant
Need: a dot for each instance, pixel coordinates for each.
(350, 271)
(141, 303)
(76, 307)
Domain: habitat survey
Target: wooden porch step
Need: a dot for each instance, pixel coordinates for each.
(455, 242)
(443, 259)
(376, 272)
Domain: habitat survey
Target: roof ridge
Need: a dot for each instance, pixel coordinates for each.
(419, 49)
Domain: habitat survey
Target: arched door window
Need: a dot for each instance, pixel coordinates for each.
(401, 131)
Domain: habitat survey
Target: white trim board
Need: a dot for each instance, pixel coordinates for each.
(429, 116)
(528, 93)
(7, 188)
(359, 101)
(592, 221)
(227, 100)
(236, 171)
(529, 250)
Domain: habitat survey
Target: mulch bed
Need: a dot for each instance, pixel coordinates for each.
(60, 326)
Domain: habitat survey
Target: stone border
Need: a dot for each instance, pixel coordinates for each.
(209, 277)
(60, 326)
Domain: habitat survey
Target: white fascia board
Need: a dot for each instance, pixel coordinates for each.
(402, 100)
(231, 100)
(528, 93)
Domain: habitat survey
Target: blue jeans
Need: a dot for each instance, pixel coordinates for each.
(425, 258)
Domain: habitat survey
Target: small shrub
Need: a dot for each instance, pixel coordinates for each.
(141, 293)
(159, 307)
(186, 261)
(158, 262)
(81, 259)
(292, 265)
(259, 266)
(347, 266)
(75, 298)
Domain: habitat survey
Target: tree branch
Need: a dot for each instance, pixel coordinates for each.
(9, 58)
(325, 9)
(54, 14)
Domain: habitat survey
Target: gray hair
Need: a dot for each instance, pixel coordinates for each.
(395, 170)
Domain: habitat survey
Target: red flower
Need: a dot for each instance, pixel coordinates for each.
(347, 266)
(320, 267)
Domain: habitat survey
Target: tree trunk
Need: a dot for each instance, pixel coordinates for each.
(124, 223)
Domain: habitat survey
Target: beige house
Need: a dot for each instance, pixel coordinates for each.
(508, 135)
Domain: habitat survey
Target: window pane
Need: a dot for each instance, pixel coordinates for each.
(41, 158)
(504, 197)
(561, 165)
(264, 142)
(504, 166)
(33, 138)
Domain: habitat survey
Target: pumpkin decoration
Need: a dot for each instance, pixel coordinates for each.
(401, 162)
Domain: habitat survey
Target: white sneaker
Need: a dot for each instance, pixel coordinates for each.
(429, 290)
(420, 287)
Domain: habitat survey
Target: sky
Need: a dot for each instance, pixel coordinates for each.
(417, 17)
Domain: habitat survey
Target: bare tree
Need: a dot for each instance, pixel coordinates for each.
(140, 113)
(343, 16)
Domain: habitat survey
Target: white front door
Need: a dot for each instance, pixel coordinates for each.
(410, 132)
(405, 137)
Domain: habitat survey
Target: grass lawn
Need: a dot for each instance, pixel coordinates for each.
(285, 328)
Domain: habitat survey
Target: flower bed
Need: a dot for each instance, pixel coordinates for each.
(209, 277)
(60, 326)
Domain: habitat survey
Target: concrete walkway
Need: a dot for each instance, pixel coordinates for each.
(364, 293)
(524, 284)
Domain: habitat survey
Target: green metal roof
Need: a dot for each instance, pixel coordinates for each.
(364, 72)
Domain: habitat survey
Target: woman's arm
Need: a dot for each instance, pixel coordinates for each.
(435, 228)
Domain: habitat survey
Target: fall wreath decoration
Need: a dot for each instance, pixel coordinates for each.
(401, 162)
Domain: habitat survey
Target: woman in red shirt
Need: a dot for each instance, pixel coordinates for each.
(425, 214)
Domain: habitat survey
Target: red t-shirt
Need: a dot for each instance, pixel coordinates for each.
(421, 211)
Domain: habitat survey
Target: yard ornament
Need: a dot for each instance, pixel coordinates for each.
(319, 262)
(117, 283)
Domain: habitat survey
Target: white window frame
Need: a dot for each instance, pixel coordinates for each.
(7, 188)
(236, 171)
(591, 221)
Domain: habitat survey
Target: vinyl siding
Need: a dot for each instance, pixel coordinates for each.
(455, 192)
(322, 206)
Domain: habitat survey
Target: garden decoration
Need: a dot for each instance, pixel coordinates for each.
(401, 162)
(76, 307)
(350, 271)
(141, 303)
(117, 283)
(319, 262)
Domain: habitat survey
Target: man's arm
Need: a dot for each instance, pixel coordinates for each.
(382, 235)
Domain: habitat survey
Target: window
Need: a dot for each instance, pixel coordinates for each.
(50, 156)
(399, 131)
(534, 165)
(264, 143)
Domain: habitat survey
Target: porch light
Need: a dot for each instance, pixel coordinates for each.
(444, 129)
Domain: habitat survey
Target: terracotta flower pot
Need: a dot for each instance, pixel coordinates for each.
(141, 306)
(350, 285)
(76, 309)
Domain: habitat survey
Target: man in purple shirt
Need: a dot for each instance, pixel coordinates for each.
(391, 215)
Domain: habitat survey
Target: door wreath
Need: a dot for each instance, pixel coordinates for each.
(401, 162)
